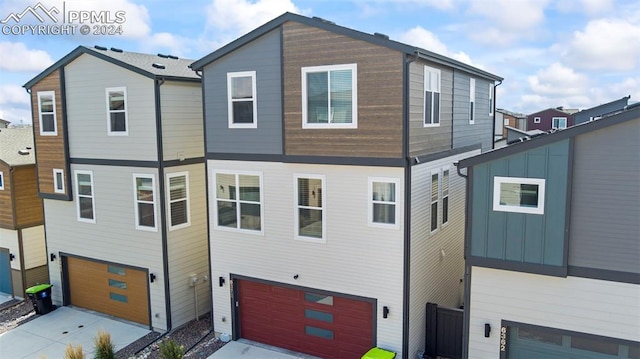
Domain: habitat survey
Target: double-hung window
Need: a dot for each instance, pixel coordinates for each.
(559, 123)
(431, 96)
(85, 196)
(47, 113)
(178, 194)
(383, 206)
(242, 102)
(329, 96)
(472, 101)
(145, 201)
(434, 200)
(519, 195)
(58, 180)
(239, 201)
(309, 204)
(445, 196)
(117, 111)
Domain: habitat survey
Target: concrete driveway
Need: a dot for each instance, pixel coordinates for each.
(48, 335)
(246, 349)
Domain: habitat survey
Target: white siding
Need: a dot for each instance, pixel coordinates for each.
(577, 304)
(86, 79)
(182, 123)
(188, 252)
(9, 240)
(435, 278)
(35, 253)
(357, 259)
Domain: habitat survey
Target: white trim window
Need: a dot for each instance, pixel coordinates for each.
(117, 111)
(85, 201)
(1, 180)
(490, 99)
(536, 120)
(435, 177)
(519, 195)
(559, 123)
(383, 202)
(310, 213)
(144, 197)
(242, 99)
(58, 180)
(445, 196)
(330, 96)
(432, 85)
(47, 113)
(239, 200)
(472, 101)
(178, 195)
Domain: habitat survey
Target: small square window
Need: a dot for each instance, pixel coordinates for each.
(520, 195)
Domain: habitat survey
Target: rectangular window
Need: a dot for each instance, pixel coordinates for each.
(145, 201)
(117, 111)
(310, 213)
(47, 113)
(58, 180)
(536, 120)
(242, 102)
(445, 196)
(318, 332)
(239, 201)
(118, 297)
(329, 96)
(559, 123)
(84, 196)
(472, 101)
(490, 99)
(318, 298)
(382, 201)
(432, 83)
(178, 194)
(1, 181)
(117, 284)
(318, 315)
(116, 270)
(520, 195)
(434, 201)
(506, 122)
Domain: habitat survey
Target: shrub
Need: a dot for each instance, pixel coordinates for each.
(73, 352)
(170, 349)
(104, 346)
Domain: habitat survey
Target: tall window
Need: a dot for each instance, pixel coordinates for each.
(47, 113)
(242, 102)
(58, 180)
(520, 195)
(329, 96)
(472, 101)
(431, 96)
(383, 209)
(239, 201)
(85, 197)
(559, 123)
(445, 196)
(145, 201)
(310, 212)
(434, 201)
(491, 99)
(178, 185)
(1, 180)
(117, 111)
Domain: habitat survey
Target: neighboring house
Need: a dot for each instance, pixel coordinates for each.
(549, 119)
(596, 112)
(120, 160)
(4, 123)
(506, 119)
(23, 257)
(517, 135)
(335, 211)
(553, 244)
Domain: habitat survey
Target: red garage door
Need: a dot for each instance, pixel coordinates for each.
(305, 321)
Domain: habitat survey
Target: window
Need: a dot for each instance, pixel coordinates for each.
(178, 194)
(310, 213)
(84, 196)
(445, 196)
(431, 97)
(490, 99)
(239, 201)
(329, 96)
(506, 121)
(434, 201)
(117, 111)
(58, 180)
(145, 201)
(472, 101)
(383, 209)
(242, 102)
(1, 181)
(559, 123)
(536, 120)
(47, 113)
(520, 195)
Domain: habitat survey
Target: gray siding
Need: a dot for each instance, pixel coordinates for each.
(481, 131)
(263, 56)
(589, 114)
(181, 105)
(605, 224)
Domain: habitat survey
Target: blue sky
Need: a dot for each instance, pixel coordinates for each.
(571, 53)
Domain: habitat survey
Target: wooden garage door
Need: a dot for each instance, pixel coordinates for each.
(109, 288)
(328, 326)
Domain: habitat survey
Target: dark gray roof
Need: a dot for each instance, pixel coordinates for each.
(330, 26)
(16, 146)
(171, 68)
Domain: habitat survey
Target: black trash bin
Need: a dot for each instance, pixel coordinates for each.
(40, 296)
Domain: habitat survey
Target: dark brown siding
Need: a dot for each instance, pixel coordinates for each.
(37, 275)
(380, 86)
(6, 202)
(28, 204)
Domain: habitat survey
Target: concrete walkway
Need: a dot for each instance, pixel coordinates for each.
(245, 349)
(48, 335)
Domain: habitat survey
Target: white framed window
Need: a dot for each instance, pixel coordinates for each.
(144, 197)
(383, 202)
(1, 180)
(519, 195)
(472, 101)
(506, 121)
(242, 99)
(432, 84)
(536, 120)
(435, 176)
(58, 180)
(117, 111)
(239, 201)
(491, 99)
(178, 195)
(330, 96)
(85, 201)
(47, 113)
(445, 196)
(310, 211)
(559, 123)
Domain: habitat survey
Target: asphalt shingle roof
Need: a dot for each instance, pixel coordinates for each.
(13, 140)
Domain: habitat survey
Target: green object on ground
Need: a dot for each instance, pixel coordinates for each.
(377, 353)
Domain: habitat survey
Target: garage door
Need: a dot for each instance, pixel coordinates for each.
(5, 271)
(109, 288)
(307, 321)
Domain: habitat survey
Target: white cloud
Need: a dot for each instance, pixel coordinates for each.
(588, 7)
(237, 17)
(420, 37)
(15, 115)
(16, 57)
(558, 80)
(13, 94)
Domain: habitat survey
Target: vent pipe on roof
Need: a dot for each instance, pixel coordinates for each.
(158, 66)
(102, 48)
(379, 34)
(172, 57)
(163, 56)
(323, 20)
(116, 50)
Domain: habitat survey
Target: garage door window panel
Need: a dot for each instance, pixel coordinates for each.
(117, 284)
(318, 332)
(118, 297)
(318, 298)
(318, 315)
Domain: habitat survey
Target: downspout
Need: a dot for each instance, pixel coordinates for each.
(467, 268)
(493, 132)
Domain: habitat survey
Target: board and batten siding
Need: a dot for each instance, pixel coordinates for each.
(6, 200)
(33, 245)
(576, 304)
(181, 108)
(357, 259)
(261, 55)
(465, 134)
(605, 216)
(433, 277)
(429, 139)
(86, 80)
(188, 251)
(113, 238)
(9, 240)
